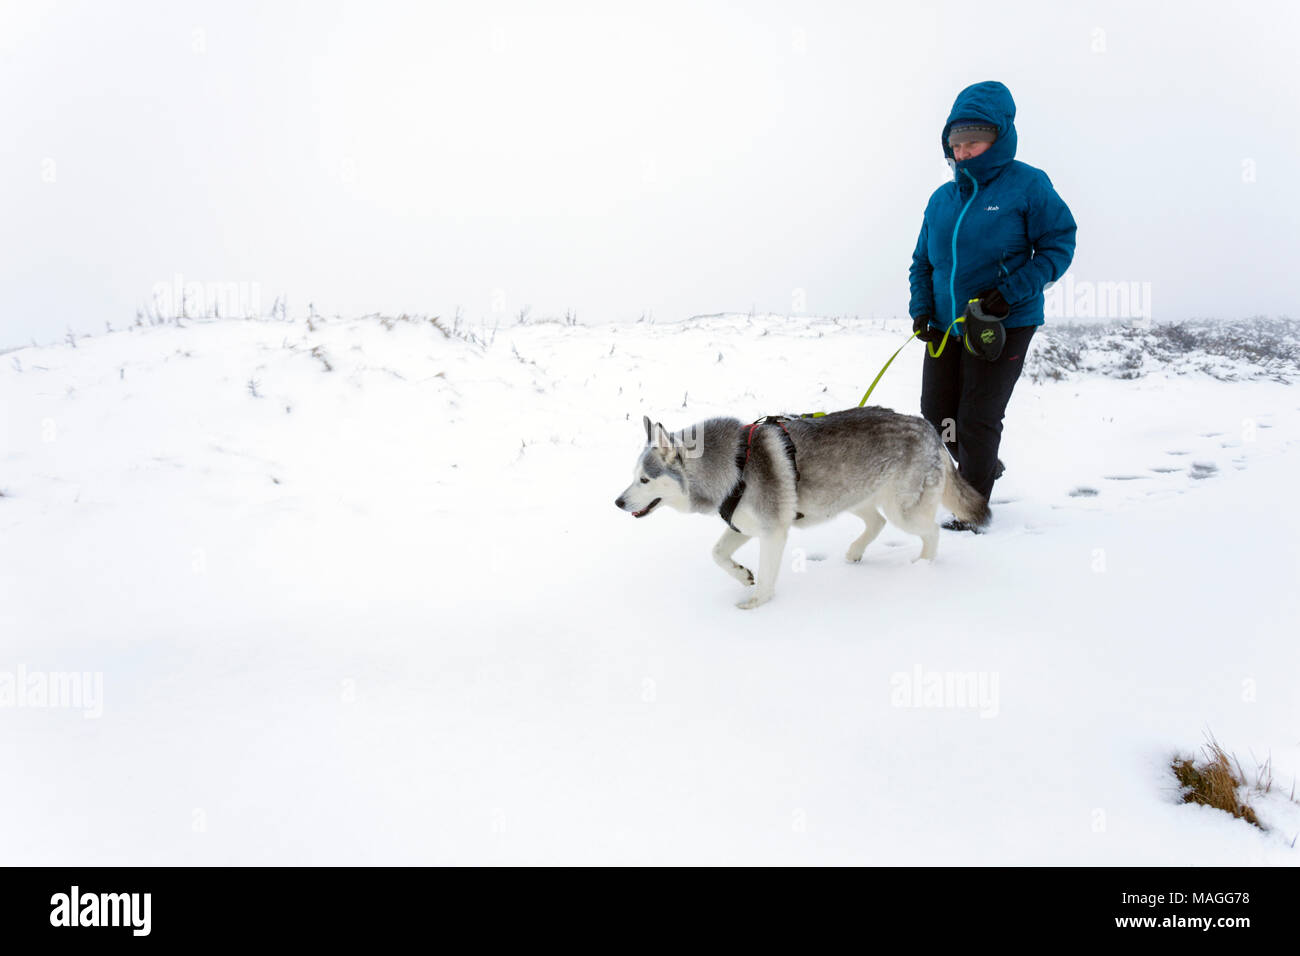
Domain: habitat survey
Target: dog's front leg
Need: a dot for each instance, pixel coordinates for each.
(770, 548)
(727, 545)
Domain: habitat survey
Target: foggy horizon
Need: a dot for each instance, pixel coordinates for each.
(613, 164)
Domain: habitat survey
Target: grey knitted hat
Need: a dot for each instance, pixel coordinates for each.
(972, 131)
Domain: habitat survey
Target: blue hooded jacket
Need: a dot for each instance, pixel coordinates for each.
(1000, 225)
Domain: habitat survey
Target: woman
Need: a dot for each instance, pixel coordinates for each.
(990, 241)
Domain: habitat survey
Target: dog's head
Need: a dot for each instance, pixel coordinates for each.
(659, 476)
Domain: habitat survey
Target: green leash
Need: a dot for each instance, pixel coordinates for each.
(872, 387)
(934, 353)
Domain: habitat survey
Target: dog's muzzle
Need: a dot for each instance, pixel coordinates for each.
(638, 514)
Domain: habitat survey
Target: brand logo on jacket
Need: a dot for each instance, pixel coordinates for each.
(990, 208)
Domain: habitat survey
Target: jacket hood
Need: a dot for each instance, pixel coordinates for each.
(989, 101)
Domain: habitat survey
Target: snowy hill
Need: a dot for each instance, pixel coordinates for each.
(358, 593)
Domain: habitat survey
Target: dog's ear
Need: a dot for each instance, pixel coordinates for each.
(649, 434)
(662, 441)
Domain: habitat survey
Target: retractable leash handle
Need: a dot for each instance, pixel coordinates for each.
(985, 331)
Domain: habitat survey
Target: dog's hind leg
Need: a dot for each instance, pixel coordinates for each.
(771, 547)
(922, 519)
(929, 542)
(875, 522)
(917, 520)
(727, 545)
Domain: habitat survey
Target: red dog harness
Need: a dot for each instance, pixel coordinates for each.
(728, 506)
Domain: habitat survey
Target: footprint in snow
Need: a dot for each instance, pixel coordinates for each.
(1165, 470)
(1203, 469)
(1178, 453)
(1122, 477)
(1083, 492)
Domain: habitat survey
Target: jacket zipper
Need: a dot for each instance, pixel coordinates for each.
(952, 276)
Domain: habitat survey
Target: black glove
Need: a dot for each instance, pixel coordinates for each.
(984, 334)
(921, 326)
(994, 305)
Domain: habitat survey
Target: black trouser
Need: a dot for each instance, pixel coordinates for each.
(965, 397)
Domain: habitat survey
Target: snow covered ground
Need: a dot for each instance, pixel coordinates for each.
(360, 594)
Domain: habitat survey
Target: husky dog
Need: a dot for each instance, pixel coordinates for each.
(788, 472)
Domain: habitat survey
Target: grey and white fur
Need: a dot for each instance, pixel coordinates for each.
(872, 462)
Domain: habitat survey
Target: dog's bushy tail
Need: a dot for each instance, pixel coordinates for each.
(961, 498)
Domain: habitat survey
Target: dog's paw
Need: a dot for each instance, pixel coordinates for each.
(853, 555)
(741, 574)
(750, 603)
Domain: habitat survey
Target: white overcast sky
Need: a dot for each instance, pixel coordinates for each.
(620, 159)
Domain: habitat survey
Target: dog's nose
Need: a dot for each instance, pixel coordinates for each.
(618, 502)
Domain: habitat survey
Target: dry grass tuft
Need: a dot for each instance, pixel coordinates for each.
(1214, 781)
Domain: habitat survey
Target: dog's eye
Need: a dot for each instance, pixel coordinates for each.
(645, 481)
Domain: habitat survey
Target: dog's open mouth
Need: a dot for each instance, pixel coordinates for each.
(647, 509)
